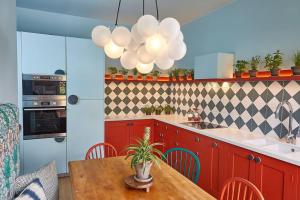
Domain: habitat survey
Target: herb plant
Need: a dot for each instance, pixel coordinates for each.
(296, 59)
(255, 62)
(241, 65)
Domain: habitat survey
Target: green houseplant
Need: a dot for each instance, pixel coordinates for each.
(296, 59)
(240, 67)
(159, 110)
(113, 71)
(189, 73)
(143, 154)
(254, 65)
(273, 62)
(148, 110)
(169, 109)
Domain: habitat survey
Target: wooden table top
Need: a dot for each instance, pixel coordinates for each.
(104, 179)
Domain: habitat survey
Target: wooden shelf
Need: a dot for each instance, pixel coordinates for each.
(272, 78)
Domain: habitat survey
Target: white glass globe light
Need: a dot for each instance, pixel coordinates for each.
(101, 35)
(113, 51)
(155, 44)
(136, 36)
(132, 46)
(180, 36)
(129, 60)
(121, 36)
(144, 68)
(169, 28)
(164, 62)
(176, 49)
(143, 56)
(147, 25)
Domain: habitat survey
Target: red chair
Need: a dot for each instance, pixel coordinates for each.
(101, 150)
(237, 188)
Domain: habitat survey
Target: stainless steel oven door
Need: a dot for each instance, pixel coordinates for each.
(44, 122)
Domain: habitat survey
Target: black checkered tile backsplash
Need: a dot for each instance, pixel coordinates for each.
(249, 106)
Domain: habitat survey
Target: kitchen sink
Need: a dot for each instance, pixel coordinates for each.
(259, 142)
(281, 148)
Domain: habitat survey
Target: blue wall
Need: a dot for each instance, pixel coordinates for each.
(246, 28)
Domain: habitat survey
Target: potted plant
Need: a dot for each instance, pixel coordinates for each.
(181, 74)
(143, 155)
(123, 72)
(254, 65)
(137, 75)
(159, 110)
(169, 109)
(273, 62)
(155, 74)
(296, 59)
(240, 67)
(189, 74)
(172, 76)
(130, 75)
(148, 110)
(113, 71)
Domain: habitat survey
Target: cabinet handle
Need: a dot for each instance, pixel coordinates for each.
(166, 127)
(257, 160)
(177, 132)
(176, 144)
(214, 145)
(197, 153)
(250, 157)
(197, 139)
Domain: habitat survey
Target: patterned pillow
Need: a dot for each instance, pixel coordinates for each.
(34, 191)
(48, 178)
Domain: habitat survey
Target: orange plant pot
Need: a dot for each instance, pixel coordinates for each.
(130, 77)
(262, 74)
(119, 77)
(189, 78)
(107, 77)
(139, 78)
(181, 78)
(163, 78)
(149, 78)
(174, 78)
(285, 73)
(245, 75)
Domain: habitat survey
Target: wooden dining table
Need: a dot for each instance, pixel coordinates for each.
(104, 179)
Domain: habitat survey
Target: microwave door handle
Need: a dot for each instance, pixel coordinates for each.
(36, 109)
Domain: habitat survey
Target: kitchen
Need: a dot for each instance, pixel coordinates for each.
(73, 93)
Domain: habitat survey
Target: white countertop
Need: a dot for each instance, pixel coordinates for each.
(228, 135)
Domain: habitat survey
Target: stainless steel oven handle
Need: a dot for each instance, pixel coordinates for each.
(36, 109)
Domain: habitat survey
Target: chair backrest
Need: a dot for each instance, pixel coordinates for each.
(184, 161)
(237, 188)
(101, 150)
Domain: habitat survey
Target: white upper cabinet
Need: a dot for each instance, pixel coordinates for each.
(43, 54)
(85, 71)
(216, 65)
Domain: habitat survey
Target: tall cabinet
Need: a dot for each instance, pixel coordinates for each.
(85, 80)
(83, 63)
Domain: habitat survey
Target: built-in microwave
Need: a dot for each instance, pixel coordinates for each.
(36, 87)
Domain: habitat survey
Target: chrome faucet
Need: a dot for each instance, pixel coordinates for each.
(290, 138)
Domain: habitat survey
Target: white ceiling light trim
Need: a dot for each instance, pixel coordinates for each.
(149, 42)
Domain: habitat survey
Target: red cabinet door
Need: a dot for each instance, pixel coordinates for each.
(241, 164)
(137, 130)
(276, 180)
(117, 134)
(170, 136)
(159, 132)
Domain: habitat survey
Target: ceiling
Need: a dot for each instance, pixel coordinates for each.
(183, 10)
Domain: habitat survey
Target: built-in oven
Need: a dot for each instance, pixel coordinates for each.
(36, 87)
(44, 119)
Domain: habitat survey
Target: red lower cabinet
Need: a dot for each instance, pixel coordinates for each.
(117, 133)
(122, 133)
(276, 180)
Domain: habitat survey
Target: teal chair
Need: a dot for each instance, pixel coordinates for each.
(184, 161)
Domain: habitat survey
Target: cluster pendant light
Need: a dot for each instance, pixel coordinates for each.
(148, 42)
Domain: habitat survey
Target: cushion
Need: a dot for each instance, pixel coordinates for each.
(34, 191)
(48, 178)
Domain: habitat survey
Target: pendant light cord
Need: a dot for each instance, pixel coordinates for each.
(157, 15)
(117, 18)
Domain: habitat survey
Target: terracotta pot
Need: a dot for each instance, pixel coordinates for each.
(245, 75)
(107, 77)
(143, 171)
(274, 72)
(181, 78)
(285, 73)
(163, 78)
(189, 78)
(174, 78)
(263, 74)
(139, 77)
(149, 78)
(130, 77)
(252, 73)
(119, 77)
(296, 70)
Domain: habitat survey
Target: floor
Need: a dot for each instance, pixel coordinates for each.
(64, 188)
